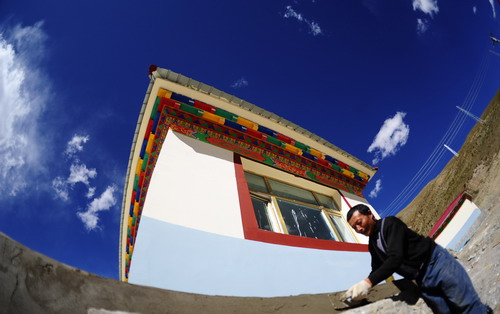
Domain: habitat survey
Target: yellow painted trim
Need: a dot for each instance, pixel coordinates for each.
(280, 219)
(151, 140)
(317, 153)
(139, 167)
(293, 149)
(136, 208)
(162, 92)
(329, 221)
(249, 124)
(212, 117)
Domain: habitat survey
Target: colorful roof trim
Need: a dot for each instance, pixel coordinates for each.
(226, 118)
(179, 79)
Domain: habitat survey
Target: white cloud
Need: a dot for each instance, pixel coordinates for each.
(427, 6)
(493, 8)
(392, 136)
(75, 145)
(23, 95)
(422, 26)
(314, 27)
(291, 13)
(60, 186)
(240, 83)
(90, 217)
(474, 9)
(80, 173)
(90, 192)
(376, 189)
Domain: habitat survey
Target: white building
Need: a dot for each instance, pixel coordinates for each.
(225, 198)
(454, 228)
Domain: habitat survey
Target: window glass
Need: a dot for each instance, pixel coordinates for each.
(292, 192)
(260, 208)
(305, 221)
(255, 182)
(343, 229)
(326, 201)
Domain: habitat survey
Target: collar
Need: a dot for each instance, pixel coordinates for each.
(376, 230)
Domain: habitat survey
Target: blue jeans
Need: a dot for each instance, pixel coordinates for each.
(446, 286)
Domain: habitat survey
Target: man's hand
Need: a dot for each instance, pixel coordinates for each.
(358, 291)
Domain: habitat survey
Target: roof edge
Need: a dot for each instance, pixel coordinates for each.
(157, 72)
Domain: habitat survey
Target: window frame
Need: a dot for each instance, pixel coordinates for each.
(279, 226)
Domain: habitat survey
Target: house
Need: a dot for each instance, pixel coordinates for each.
(225, 198)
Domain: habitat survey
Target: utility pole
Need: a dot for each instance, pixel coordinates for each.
(470, 115)
(451, 150)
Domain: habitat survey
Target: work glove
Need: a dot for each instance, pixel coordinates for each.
(358, 291)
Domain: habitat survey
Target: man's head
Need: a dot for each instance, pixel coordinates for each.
(361, 219)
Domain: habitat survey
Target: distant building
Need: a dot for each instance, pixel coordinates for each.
(225, 198)
(455, 226)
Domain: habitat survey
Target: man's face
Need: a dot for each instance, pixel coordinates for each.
(363, 224)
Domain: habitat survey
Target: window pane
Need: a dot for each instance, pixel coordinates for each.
(326, 201)
(260, 208)
(292, 192)
(256, 183)
(304, 221)
(343, 229)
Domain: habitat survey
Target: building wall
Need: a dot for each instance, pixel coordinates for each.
(349, 200)
(191, 236)
(459, 225)
(178, 258)
(193, 186)
(277, 137)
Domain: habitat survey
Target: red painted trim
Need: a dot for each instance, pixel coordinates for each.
(345, 199)
(247, 213)
(252, 232)
(445, 215)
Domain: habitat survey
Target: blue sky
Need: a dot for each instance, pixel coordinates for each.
(379, 79)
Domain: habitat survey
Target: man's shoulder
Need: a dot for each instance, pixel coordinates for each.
(393, 220)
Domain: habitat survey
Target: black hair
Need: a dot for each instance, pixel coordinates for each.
(361, 208)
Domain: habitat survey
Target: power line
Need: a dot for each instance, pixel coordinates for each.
(449, 136)
(470, 115)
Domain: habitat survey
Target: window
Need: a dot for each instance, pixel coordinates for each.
(284, 208)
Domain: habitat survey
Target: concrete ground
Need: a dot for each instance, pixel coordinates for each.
(33, 283)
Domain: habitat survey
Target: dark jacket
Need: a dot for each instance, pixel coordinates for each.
(406, 252)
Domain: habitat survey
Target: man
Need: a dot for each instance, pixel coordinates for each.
(394, 247)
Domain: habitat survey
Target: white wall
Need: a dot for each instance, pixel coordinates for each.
(354, 200)
(457, 224)
(193, 185)
(190, 236)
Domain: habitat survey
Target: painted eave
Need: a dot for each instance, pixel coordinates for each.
(185, 81)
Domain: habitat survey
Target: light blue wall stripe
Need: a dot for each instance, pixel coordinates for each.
(459, 240)
(177, 258)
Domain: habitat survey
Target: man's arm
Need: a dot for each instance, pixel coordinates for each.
(394, 233)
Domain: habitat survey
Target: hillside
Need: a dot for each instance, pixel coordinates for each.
(476, 170)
